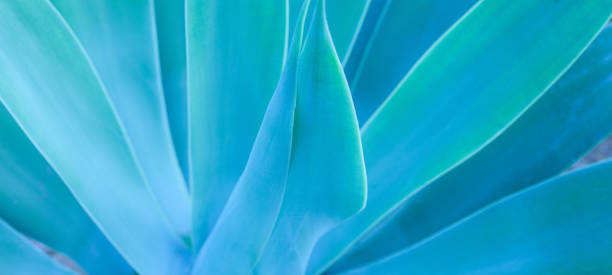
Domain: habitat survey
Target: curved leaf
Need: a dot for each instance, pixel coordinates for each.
(247, 220)
(568, 120)
(170, 22)
(119, 37)
(561, 226)
(235, 51)
(19, 256)
(394, 35)
(469, 86)
(326, 179)
(343, 16)
(35, 201)
(53, 93)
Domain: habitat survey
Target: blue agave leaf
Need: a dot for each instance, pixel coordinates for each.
(563, 124)
(343, 16)
(235, 52)
(305, 173)
(467, 88)
(561, 226)
(395, 33)
(119, 37)
(170, 22)
(19, 256)
(31, 195)
(54, 94)
(326, 178)
(248, 219)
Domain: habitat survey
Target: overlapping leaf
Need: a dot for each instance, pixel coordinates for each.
(467, 88)
(35, 201)
(559, 226)
(235, 52)
(562, 125)
(53, 92)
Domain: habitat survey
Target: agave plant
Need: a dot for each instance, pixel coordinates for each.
(304, 136)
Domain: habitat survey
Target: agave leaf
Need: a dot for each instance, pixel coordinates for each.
(465, 90)
(119, 37)
(258, 195)
(395, 33)
(235, 52)
(52, 91)
(19, 256)
(326, 179)
(170, 22)
(343, 16)
(32, 194)
(559, 226)
(549, 137)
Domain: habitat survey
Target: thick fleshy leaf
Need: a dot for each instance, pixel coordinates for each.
(561, 226)
(35, 201)
(394, 35)
(468, 87)
(53, 93)
(236, 242)
(19, 256)
(572, 117)
(326, 179)
(343, 17)
(170, 20)
(235, 52)
(119, 37)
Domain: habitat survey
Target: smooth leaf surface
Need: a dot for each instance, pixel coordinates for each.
(326, 178)
(170, 22)
(394, 35)
(467, 88)
(235, 52)
(561, 226)
(54, 94)
(119, 37)
(568, 120)
(35, 201)
(236, 242)
(19, 256)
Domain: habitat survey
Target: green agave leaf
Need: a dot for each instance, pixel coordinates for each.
(343, 16)
(326, 179)
(52, 91)
(19, 256)
(248, 218)
(31, 195)
(170, 22)
(235, 52)
(561, 226)
(467, 88)
(395, 33)
(549, 137)
(119, 37)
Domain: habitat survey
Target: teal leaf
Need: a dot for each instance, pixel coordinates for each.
(31, 195)
(395, 33)
(235, 53)
(326, 179)
(561, 226)
(170, 22)
(119, 37)
(343, 16)
(259, 192)
(19, 256)
(51, 89)
(464, 91)
(568, 120)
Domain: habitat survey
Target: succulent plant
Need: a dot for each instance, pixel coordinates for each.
(304, 136)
